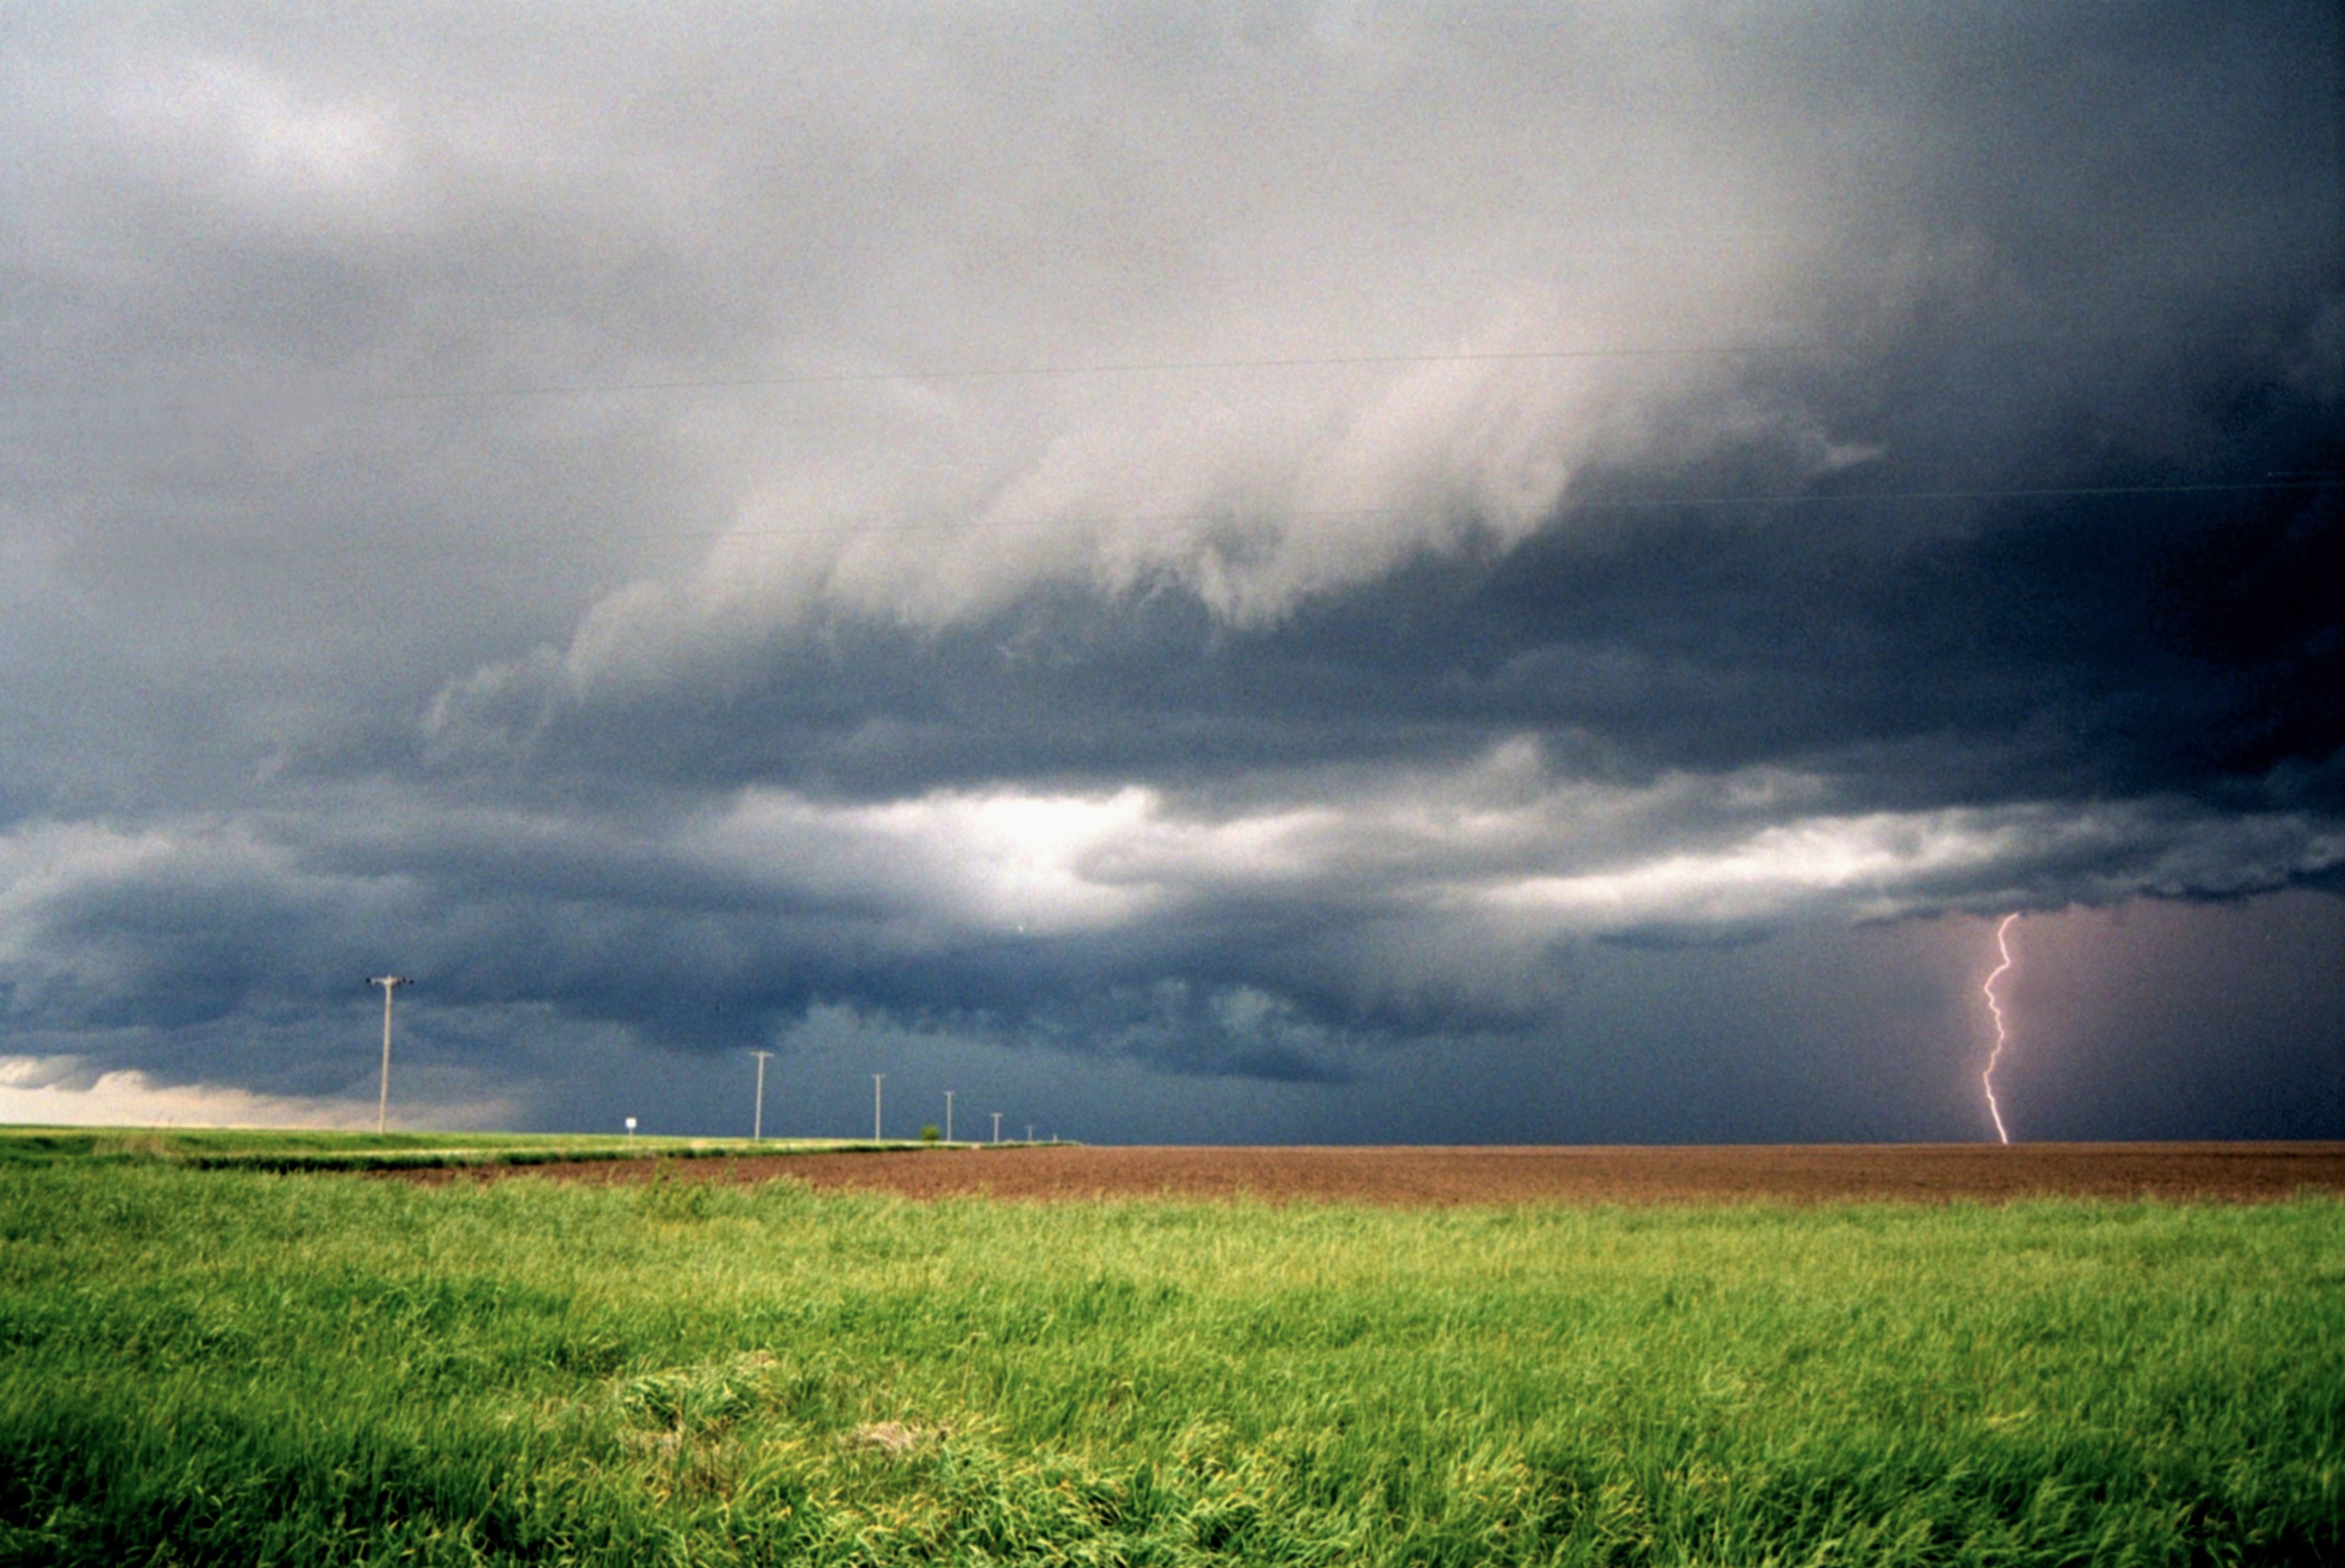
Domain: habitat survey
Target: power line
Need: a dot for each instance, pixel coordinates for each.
(994, 373)
(1125, 368)
(34, 397)
(1564, 507)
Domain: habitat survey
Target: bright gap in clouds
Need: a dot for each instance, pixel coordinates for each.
(67, 1092)
(1555, 858)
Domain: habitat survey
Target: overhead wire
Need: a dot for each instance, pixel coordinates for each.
(2275, 481)
(312, 393)
(1309, 517)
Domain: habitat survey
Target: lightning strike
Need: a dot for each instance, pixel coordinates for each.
(2002, 1035)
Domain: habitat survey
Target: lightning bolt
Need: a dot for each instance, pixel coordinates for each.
(2002, 1035)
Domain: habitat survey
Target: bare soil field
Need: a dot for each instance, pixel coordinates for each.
(2222, 1172)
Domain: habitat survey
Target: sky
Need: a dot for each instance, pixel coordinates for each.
(1184, 572)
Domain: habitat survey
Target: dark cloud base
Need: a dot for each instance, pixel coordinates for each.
(2062, 648)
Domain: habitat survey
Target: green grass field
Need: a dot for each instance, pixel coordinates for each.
(297, 1149)
(248, 1366)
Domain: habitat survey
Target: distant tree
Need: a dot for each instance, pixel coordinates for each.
(932, 1134)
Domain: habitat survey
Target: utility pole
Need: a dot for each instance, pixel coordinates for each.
(1030, 1132)
(877, 1079)
(389, 983)
(758, 1118)
(948, 1115)
(997, 1127)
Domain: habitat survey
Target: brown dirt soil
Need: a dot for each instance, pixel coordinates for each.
(2222, 1172)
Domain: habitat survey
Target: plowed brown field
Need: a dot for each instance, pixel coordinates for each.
(2224, 1172)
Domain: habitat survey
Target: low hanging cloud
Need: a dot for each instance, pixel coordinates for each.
(1435, 893)
(67, 1092)
(1218, 537)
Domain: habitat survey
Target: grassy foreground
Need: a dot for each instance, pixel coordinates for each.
(235, 1366)
(242, 1148)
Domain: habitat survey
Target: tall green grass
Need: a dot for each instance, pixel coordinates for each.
(253, 1148)
(240, 1367)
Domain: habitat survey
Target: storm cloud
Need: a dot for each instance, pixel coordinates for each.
(1252, 546)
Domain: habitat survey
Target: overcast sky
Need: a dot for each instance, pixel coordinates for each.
(1187, 574)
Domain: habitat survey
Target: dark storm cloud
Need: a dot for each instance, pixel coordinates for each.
(2066, 646)
(597, 529)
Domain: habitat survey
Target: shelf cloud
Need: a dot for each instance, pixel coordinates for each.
(1245, 542)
